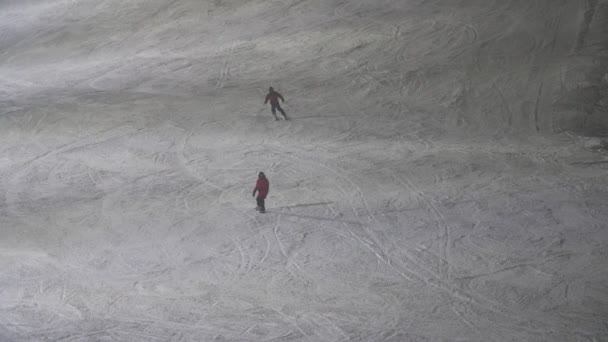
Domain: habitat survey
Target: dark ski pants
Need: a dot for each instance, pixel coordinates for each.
(276, 107)
(260, 202)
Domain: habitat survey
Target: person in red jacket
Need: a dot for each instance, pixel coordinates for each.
(274, 97)
(261, 187)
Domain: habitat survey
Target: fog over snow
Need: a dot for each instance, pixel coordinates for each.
(443, 176)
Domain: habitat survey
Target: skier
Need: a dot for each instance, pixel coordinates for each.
(261, 187)
(274, 97)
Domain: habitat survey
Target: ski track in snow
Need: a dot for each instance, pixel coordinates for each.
(423, 190)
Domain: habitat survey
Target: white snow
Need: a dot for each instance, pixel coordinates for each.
(443, 177)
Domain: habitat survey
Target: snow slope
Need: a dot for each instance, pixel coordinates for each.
(443, 177)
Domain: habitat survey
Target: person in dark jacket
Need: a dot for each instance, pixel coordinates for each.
(261, 187)
(274, 97)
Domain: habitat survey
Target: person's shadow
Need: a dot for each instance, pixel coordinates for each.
(278, 210)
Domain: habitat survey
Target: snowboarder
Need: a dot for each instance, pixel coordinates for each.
(274, 97)
(261, 187)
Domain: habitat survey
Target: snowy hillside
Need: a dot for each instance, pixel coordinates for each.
(443, 177)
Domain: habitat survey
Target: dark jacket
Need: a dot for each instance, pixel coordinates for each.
(274, 97)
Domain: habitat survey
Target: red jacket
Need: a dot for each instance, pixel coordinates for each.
(262, 186)
(274, 97)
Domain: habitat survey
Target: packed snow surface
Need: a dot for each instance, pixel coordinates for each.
(443, 177)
